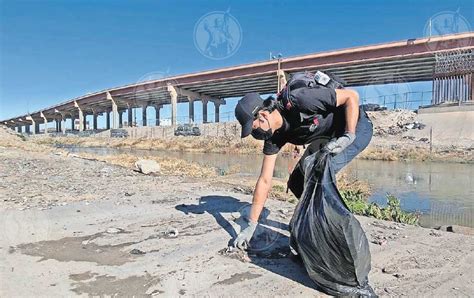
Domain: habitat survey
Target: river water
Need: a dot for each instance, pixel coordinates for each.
(442, 192)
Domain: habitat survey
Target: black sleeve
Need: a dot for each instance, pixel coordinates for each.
(270, 147)
(313, 100)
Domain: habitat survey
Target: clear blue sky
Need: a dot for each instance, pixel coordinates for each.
(52, 51)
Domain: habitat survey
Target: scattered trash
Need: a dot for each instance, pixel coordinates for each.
(235, 253)
(114, 230)
(434, 233)
(172, 233)
(136, 251)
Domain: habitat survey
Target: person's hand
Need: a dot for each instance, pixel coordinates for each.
(243, 239)
(337, 145)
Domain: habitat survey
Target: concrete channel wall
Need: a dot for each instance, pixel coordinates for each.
(222, 129)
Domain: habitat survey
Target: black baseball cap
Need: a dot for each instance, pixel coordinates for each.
(246, 111)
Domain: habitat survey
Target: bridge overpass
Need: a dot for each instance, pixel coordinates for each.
(446, 60)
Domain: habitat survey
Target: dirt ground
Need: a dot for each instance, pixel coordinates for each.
(70, 226)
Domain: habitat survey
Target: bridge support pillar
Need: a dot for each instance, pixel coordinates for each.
(130, 115)
(94, 120)
(63, 123)
(81, 116)
(27, 128)
(191, 109)
(45, 123)
(144, 118)
(204, 110)
(281, 79)
(115, 113)
(216, 111)
(73, 118)
(34, 124)
(107, 119)
(157, 114)
(120, 117)
(174, 103)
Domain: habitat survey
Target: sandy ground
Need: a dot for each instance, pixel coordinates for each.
(71, 226)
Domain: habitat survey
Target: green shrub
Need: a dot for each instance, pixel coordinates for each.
(357, 204)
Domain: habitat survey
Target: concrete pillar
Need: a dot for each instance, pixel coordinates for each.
(63, 123)
(73, 118)
(19, 128)
(115, 113)
(130, 116)
(157, 114)
(281, 79)
(33, 124)
(144, 119)
(45, 122)
(204, 110)
(56, 125)
(191, 110)
(81, 116)
(107, 119)
(84, 123)
(216, 111)
(174, 103)
(120, 117)
(94, 120)
(27, 128)
(36, 128)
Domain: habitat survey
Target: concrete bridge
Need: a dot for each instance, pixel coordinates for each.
(447, 61)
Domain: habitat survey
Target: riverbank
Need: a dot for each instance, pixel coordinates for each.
(103, 229)
(398, 135)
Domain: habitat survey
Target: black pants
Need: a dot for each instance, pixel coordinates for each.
(364, 131)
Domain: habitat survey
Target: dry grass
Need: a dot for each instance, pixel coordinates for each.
(417, 154)
(191, 144)
(169, 166)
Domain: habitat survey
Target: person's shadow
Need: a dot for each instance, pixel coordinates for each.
(269, 248)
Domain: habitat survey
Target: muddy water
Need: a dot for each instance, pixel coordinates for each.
(442, 192)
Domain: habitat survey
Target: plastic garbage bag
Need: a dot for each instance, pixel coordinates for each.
(327, 236)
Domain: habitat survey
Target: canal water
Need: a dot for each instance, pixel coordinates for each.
(442, 192)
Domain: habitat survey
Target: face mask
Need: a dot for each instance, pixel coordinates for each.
(261, 134)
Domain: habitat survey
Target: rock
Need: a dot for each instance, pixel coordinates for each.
(147, 166)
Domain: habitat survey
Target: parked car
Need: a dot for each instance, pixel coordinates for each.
(187, 130)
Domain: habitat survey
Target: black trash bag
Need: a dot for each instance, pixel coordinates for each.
(327, 236)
